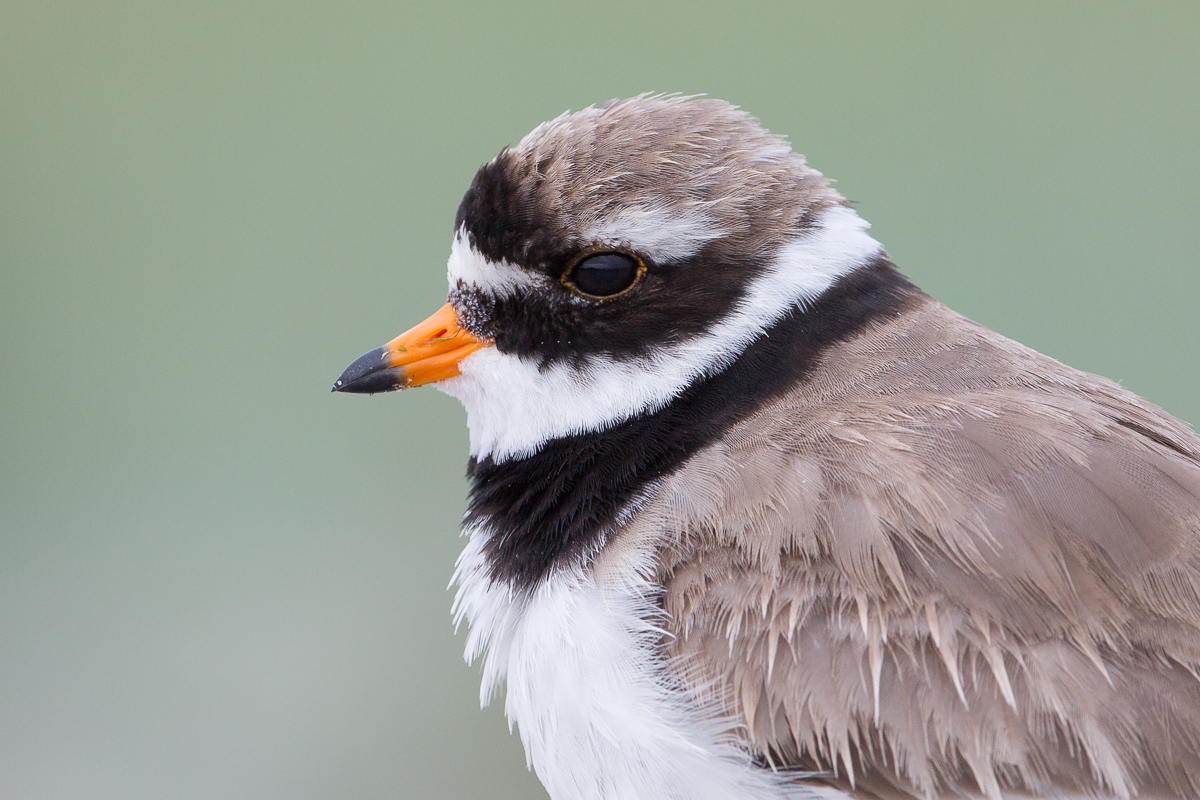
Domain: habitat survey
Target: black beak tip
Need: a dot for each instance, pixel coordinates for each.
(369, 374)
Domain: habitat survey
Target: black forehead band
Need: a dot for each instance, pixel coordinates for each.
(504, 221)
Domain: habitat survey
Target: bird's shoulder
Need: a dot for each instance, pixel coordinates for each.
(945, 559)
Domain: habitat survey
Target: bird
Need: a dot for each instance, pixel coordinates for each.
(752, 516)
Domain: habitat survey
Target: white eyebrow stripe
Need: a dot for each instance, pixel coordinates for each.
(656, 232)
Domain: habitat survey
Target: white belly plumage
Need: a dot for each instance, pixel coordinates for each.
(597, 711)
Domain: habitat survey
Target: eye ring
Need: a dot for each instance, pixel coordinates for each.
(568, 275)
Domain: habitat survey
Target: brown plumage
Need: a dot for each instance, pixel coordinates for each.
(946, 565)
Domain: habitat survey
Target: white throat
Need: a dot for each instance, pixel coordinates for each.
(513, 407)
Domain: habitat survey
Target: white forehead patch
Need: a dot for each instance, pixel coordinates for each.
(502, 279)
(513, 406)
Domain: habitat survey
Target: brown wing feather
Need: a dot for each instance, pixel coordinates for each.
(947, 564)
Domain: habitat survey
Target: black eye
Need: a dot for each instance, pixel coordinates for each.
(604, 275)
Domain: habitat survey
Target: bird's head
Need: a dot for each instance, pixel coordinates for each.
(611, 259)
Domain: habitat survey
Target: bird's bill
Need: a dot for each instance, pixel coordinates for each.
(429, 352)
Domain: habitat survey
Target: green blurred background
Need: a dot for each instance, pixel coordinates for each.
(218, 580)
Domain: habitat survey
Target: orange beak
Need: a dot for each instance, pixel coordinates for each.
(429, 352)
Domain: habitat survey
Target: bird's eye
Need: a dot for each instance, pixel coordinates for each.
(603, 276)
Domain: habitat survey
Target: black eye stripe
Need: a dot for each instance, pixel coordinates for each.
(604, 275)
(672, 302)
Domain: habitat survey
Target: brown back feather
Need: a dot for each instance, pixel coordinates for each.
(947, 565)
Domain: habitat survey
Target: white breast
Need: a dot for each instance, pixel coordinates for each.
(597, 709)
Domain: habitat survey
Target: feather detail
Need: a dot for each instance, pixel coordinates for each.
(995, 660)
(875, 652)
(935, 629)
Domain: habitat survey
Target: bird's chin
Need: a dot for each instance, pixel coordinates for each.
(463, 389)
(512, 408)
(476, 399)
